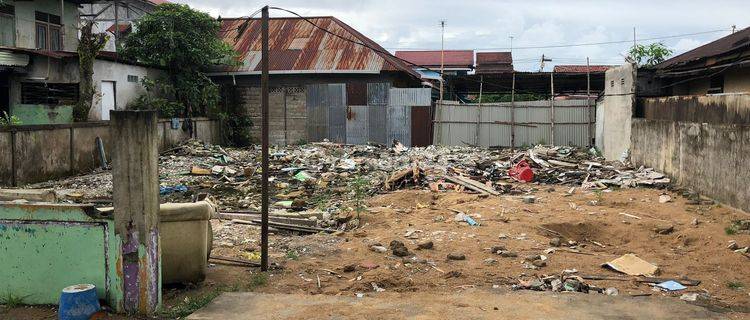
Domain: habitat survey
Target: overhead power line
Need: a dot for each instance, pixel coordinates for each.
(583, 44)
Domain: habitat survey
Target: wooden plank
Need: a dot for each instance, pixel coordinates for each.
(472, 184)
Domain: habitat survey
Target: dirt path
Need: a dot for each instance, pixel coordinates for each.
(465, 305)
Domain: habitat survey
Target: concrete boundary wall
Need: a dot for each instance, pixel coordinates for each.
(37, 153)
(712, 159)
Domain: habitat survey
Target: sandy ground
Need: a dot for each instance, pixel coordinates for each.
(321, 264)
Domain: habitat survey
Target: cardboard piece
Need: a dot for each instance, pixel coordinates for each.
(632, 265)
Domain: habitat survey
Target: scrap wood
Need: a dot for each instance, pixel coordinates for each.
(286, 226)
(685, 282)
(551, 231)
(562, 163)
(472, 184)
(538, 160)
(630, 215)
(235, 260)
(401, 175)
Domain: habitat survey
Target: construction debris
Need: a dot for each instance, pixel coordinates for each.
(630, 264)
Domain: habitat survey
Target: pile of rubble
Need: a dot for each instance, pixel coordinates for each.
(328, 182)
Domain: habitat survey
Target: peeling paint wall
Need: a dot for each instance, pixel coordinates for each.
(710, 158)
(48, 247)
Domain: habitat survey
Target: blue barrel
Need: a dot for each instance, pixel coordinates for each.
(78, 302)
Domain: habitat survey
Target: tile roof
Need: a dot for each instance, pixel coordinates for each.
(451, 59)
(580, 68)
(297, 46)
(721, 46)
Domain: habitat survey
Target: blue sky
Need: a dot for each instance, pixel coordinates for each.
(487, 25)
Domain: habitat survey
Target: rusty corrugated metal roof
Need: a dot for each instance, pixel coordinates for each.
(698, 57)
(494, 58)
(580, 68)
(494, 62)
(295, 45)
(431, 58)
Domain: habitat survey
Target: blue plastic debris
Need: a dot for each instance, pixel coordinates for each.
(470, 221)
(671, 285)
(168, 190)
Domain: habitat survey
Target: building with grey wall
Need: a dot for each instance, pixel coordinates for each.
(39, 65)
(321, 87)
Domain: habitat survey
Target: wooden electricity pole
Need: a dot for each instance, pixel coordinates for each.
(264, 140)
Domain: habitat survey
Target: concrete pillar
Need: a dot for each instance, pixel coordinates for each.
(135, 192)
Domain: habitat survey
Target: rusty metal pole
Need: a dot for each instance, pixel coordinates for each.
(264, 140)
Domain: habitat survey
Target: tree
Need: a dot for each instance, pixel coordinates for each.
(88, 48)
(649, 55)
(185, 42)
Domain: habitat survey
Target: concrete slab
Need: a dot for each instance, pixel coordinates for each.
(466, 305)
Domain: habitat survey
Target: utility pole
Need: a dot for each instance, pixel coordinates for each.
(634, 43)
(264, 141)
(541, 65)
(734, 28)
(588, 98)
(511, 45)
(442, 58)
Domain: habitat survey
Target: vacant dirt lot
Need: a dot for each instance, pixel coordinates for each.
(605, 226)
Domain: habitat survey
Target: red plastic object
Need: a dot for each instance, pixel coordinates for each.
(521, 172)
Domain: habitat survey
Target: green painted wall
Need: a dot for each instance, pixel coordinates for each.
(47, 247)
(42, 114)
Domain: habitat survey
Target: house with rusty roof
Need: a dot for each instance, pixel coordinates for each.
(494, 62)
(721, 66)
(581, 68)
(328, 81)
(429, 62)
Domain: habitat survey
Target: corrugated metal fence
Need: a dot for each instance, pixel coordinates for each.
(387, 115)
(515, 124)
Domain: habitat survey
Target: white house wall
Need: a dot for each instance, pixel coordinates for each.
(125, 92)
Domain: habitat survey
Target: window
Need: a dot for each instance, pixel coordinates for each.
(132, 78)
(53, 94)
(7, 25)
(716, 84)
(48, 31)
